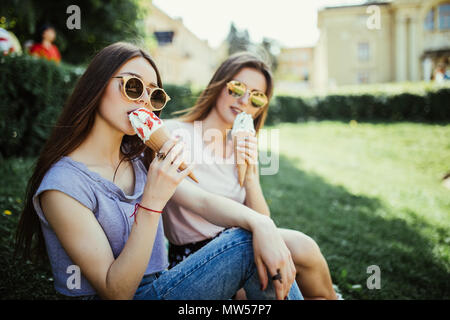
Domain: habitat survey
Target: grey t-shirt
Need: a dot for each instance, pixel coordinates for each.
(112, 208)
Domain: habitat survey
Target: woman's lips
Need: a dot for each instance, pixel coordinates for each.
(235, 110)
(128, 113)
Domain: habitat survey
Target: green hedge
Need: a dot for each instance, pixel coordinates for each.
(430, 106)
(182, 97)
(33, 91)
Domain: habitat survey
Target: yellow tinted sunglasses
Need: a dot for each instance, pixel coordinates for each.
(238, 89)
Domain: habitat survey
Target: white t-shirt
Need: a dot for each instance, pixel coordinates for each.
(214, 174)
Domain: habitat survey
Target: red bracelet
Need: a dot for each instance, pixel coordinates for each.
(138, 205)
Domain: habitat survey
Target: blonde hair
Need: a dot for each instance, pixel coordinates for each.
(226, 71)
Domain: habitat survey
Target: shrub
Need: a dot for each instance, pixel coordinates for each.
(182, 97)
(429, 106)
(33, 92)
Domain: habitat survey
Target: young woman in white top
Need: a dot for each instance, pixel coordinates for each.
(213, 116)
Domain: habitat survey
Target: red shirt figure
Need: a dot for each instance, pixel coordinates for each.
(50, 53)
(45, 47)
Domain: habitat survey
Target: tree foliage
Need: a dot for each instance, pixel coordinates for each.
(272, 49)
(237, 40)
(102, 22)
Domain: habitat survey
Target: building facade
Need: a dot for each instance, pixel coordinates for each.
(383, 41)
(181, 56)
(295, 66)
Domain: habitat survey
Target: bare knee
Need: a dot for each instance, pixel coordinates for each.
(307, 252)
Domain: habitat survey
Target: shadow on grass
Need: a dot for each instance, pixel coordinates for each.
(23, 280)
(355, 232)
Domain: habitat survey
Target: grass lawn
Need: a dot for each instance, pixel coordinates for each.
(369, 194)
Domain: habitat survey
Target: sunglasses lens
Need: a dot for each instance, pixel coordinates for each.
(134, 88)
(236, 89)
(258, 99)
(158, 99)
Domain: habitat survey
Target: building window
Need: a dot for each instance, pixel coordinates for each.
(444, 16)
(164, 37)
(363, 51)
(363, 77)
(305, 56)
(438, 18)
(429, 20)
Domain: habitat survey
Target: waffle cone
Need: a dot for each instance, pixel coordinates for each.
(241, 164)
(156, 141)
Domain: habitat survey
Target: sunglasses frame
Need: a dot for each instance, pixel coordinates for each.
(230, 85)
(125, 79)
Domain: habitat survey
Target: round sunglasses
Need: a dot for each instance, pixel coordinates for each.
(238, 89)
(133, 89)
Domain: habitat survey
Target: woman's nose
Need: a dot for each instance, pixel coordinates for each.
(244, 100)
(145, 98)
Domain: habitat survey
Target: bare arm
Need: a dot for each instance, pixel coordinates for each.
(83, 239)
(270, 251)
(85, 242)
(216, 209)
(254, 198)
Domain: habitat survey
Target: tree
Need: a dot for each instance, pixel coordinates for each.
(102, 22)
(272, 49)
(267, 50)
(237, 40)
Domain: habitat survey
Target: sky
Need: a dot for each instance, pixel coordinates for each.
(293, 23)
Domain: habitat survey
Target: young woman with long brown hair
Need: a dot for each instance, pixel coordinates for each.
(92, 175)
(213, 115)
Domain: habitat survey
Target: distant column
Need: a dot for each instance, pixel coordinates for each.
(400, 49)
(427, 68)
(413, 59)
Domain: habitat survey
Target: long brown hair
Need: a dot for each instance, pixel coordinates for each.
(226, 71)
(72, 128)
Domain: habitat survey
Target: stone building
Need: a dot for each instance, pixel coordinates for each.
(181, 56)
(295, 66)
(382, 41)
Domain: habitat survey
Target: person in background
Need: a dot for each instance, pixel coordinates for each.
(45, 48)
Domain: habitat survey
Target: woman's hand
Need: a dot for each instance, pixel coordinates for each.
(248, 148)
(163, 176)
(272, 257)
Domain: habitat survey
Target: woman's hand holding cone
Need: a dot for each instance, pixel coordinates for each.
(163, 175)
(247, 150)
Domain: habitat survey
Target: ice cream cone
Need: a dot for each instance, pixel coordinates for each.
(242, 127)
(153, 132)
(241, 164)
(156, 141)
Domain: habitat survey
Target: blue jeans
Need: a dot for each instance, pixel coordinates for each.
(215, 272)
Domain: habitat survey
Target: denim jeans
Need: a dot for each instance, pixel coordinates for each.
(215, 272)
